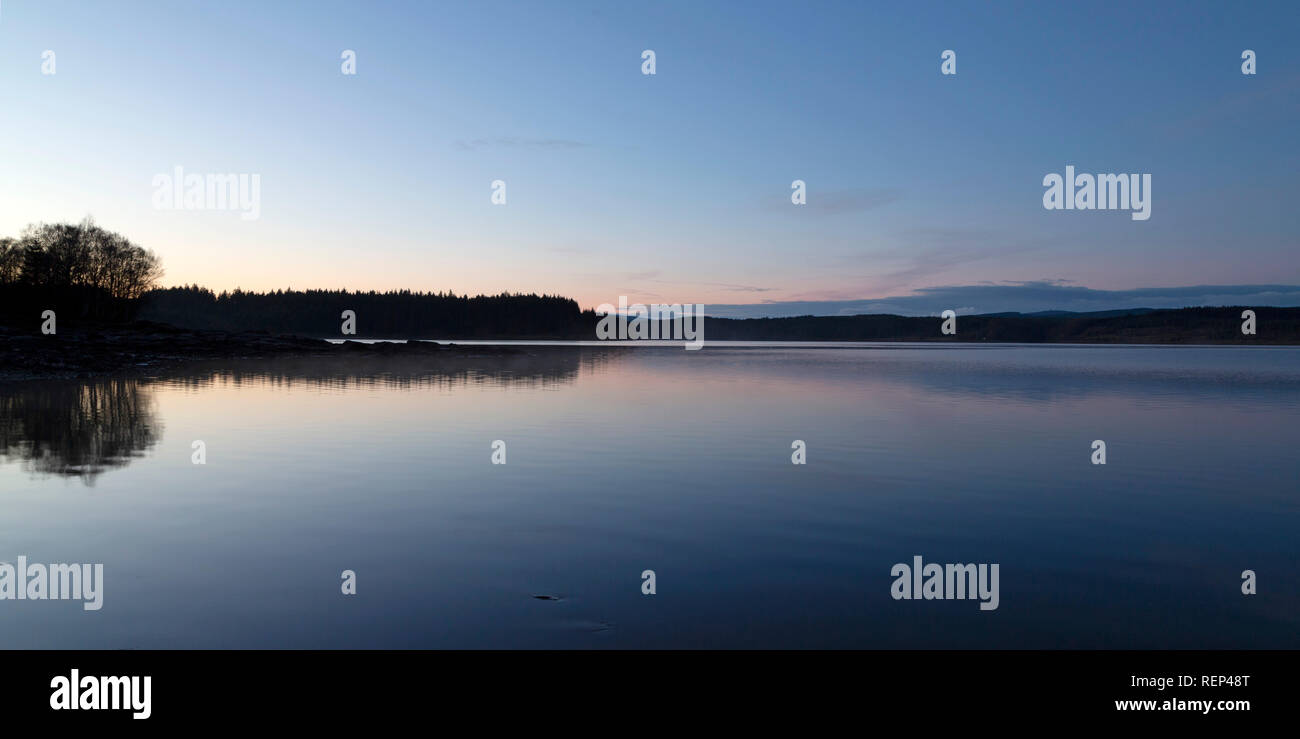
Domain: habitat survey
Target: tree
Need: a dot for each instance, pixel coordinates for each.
(78, 266)
(65, 255)
(11, 261)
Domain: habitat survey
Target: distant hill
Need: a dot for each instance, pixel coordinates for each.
(1137, 326)
(406, 315)
(414, 315)
(1090, 314)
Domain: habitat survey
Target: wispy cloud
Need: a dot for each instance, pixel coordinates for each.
(932, 254)
(655, 277)
(834, 202)
(1023, 297)
(839, 202)
(725, 286)
(512, 142)
(1278, 96)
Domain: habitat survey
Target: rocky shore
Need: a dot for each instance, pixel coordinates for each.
(144, 347)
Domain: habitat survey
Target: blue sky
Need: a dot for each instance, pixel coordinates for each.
(673, 187)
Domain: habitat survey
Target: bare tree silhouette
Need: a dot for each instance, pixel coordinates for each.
(78, 267)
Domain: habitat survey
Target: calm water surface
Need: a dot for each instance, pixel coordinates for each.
(626, 459)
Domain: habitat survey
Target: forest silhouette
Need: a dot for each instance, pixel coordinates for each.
(90, 276)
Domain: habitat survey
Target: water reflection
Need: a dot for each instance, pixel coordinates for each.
(77, 429)
(622, 460)
(531, 368)
(83, 428)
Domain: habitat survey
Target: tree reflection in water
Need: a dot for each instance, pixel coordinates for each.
(84, 428)
(77, 429)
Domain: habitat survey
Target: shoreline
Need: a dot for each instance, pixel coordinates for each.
(144, 347)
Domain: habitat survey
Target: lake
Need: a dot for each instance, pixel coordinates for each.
(624, 459)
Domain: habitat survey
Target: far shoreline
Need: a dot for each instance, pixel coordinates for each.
(145, 347)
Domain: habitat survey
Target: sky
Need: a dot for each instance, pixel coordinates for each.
(671, 187)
